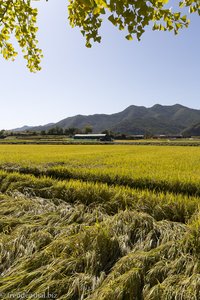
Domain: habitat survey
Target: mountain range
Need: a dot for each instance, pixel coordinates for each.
(158, 119)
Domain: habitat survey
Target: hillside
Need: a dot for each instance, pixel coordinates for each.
(193, 130)
(157, 119)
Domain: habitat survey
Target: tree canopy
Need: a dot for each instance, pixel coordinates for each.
(18, 18)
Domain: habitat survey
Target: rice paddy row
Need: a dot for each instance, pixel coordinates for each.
(90, 223)
(63, 173)
(161, 169)
(157, 163)
(112, 198)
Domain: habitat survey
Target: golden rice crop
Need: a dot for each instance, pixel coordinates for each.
(135, 161)
(99, 222)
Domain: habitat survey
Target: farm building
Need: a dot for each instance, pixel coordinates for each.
(93, 136)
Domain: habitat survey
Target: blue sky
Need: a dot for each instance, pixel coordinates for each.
(161, 68)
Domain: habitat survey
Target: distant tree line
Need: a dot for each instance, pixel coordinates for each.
(71, 131)
(67, 131)
(2, 134)
(51, 131)
(58, 131)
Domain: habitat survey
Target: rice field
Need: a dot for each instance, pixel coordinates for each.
(99, 222)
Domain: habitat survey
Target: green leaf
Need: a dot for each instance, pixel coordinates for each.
(129, 37)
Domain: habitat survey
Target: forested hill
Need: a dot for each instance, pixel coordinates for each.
(157, 119)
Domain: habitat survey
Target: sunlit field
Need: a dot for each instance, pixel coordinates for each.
(153, 162)
(108, 222)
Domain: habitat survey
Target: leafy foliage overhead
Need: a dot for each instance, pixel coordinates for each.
(18, 18)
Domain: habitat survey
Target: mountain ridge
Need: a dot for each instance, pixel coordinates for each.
(158, 119)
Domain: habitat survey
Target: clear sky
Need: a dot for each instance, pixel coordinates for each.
(107, 78)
